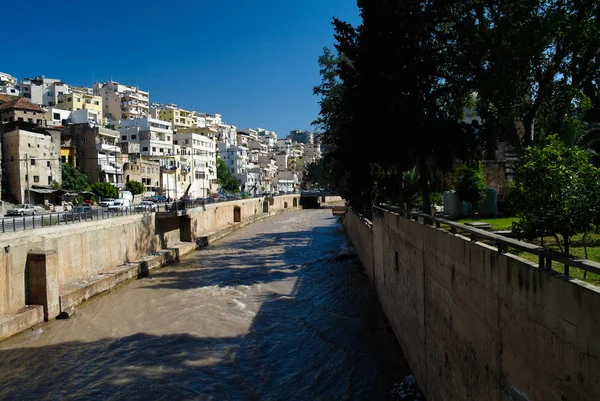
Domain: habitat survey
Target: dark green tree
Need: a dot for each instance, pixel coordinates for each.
(227, 181)
(469, 183)
(104, 190)
(73, 179)
(528, 62)
(135, 187)
(555, 192)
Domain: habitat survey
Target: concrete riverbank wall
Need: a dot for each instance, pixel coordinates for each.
(47, 263)
(476, 324)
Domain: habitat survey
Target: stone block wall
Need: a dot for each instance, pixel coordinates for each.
(475, 324)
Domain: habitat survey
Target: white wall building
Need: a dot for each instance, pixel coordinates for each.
(312, 153)
(8, 85)
(285, 181)
(43, 91)
(154, 136)
(122, 102)
(56, 117)
(197, 157)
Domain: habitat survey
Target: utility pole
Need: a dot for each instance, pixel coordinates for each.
(27, 176)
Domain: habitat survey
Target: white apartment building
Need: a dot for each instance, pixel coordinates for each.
(154, 136)
(226, 133)
(122, 102)
(198, 159)
(200, 119)
(252, 134)
(267, 137)
(43, 91)
(8, 85)
(286, 181)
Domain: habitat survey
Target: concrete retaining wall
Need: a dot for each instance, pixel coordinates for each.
(475, 324)
(83, 250)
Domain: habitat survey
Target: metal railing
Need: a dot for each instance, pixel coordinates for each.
(503, 244)
(10, 224)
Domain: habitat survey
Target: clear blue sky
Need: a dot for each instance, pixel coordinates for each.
(254, 62)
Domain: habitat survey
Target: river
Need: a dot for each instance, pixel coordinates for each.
(280, 310)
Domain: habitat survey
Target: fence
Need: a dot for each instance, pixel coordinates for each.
(545, 256)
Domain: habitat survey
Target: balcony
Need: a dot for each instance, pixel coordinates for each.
(106, 147)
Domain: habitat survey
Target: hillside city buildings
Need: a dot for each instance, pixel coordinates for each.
(112, 133)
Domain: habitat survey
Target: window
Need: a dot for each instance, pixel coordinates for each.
(33, 162)
(49, 180)
(20, 119)
(36, 178)
(78, 100)
(133, 136)
(161, 150)
(47, 164)
(169, 138)
(153, 149)
(88, 101)
(63, 159)
(50, 103)
(97, 103)
(145, 148)
(56, 116)
(175, 141)
(123, 137)
(30, 120)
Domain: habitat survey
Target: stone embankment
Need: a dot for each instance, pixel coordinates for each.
(46, 272)
(476, 323)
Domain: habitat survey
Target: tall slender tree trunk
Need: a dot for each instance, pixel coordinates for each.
(424, 184)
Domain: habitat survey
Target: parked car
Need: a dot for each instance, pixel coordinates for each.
(21, 210)
(120, 204)
(80, 213)
(159, 198)
(107, 202)
(146, 206)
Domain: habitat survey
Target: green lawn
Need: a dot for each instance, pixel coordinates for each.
(498, 223)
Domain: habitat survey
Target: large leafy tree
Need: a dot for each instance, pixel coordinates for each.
(135, 187)
(556, 192)
(73, 179)
(227, 181)
(104, 190)
(528, 61)
(469, 183)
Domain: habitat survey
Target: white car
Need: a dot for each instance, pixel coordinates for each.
(144, 206)
(107, 202)
(21, 210)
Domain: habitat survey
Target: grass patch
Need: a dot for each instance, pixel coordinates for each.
(497, 223)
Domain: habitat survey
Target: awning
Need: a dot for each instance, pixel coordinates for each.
(42, 191)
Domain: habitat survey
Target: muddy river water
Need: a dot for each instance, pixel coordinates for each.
(279, 310)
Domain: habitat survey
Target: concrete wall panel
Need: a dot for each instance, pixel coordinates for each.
(478, 325)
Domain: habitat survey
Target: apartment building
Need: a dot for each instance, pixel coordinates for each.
(301, 136)
(31, 158)
(122, 102)
(82, 101)
(43, 91)
(179, 118)
(8, 85)
(154, 136)
(148, 172)
(312, 153)
(97, 153)
(198, 159)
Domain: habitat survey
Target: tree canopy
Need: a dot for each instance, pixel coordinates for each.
(556, 190)
(73, 179)
(227, 181)
(135, 187)
(104, 190)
